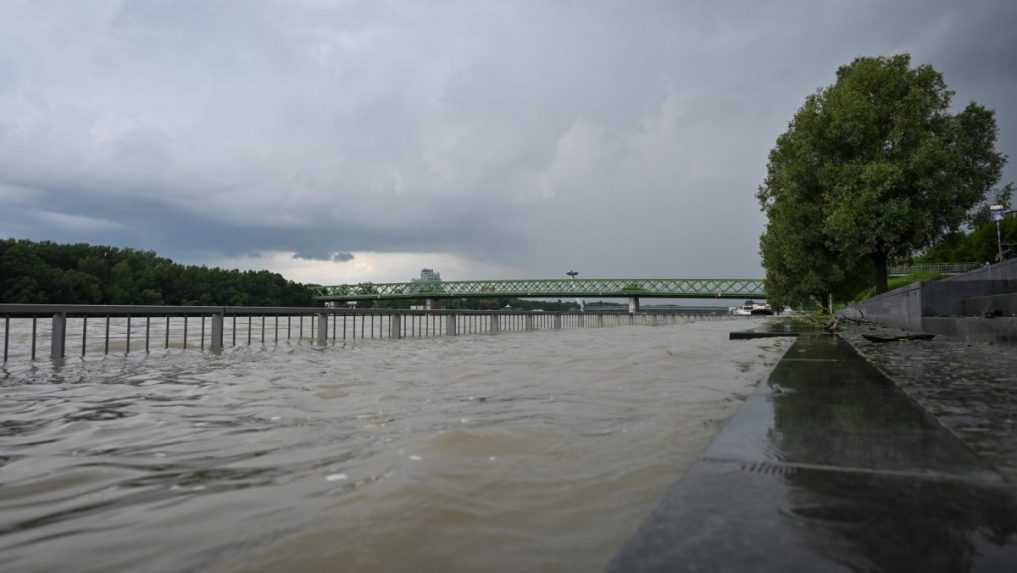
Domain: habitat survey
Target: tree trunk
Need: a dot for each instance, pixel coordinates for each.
(879, 260)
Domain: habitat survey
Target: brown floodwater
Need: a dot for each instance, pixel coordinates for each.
(539, 451)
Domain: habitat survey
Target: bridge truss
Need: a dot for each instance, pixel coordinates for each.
(549, 288)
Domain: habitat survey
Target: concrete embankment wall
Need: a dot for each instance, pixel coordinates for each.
(940, 306)
(900, 307)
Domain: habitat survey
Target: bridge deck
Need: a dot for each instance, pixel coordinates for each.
(541, 288)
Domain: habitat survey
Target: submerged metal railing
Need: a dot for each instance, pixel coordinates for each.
(126, 328)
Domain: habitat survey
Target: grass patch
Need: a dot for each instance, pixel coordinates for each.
(897, 282)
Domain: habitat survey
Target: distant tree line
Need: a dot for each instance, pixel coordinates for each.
(975, 245)
(45, 272)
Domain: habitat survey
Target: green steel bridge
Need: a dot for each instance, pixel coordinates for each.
(549, 288)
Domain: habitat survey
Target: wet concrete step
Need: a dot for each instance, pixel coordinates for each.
(1004, 304)
(1000, 330)
(830, 467)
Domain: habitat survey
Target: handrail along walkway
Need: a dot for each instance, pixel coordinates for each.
(215, 325)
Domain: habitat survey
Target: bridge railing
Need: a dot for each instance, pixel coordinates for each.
(30, 330)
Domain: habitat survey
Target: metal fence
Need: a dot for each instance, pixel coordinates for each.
(941, 268)
(31, 330)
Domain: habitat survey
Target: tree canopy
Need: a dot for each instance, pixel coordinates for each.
(872, 168)
(44, 272)
(979, 245)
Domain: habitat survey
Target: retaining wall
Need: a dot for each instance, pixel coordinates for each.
(900, 307)
(939, 307)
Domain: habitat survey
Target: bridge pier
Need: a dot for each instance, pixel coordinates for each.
(529, 322)
(495, 324)
(452, 324)
(633, 304)
(557, 322)
(395, 326)
(428, 303)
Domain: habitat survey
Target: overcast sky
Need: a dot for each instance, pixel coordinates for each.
(349, 141)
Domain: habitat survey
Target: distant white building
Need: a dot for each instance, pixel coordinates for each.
(429, 275)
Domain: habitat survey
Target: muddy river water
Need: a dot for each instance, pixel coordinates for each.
(537, 451)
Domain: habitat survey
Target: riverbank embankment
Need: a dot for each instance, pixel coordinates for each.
(971, 389)
(977, 306)
(830, 466)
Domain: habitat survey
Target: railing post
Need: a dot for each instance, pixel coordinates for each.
(395, 326)
(452, 324)
(322, 338)
(58, 335)
(215, 344)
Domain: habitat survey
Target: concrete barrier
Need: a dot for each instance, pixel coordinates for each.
(940, 306)
(1002, 330)
(901, 307)
(946, 298)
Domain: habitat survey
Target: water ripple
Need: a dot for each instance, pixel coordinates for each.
(403, 454)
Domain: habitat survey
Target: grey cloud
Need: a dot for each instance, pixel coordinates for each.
(324, 255)
(612, 137)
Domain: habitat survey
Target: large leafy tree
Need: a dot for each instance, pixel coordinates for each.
(872, 168)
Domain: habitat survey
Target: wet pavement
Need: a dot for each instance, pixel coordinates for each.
(763, 328)
(970, 388)
(830, 467)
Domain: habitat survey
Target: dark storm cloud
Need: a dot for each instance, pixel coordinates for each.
(616, 138)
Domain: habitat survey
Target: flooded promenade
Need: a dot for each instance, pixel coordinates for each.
(830, 466)
(535, 451)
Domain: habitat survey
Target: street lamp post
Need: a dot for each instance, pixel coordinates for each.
(997, 212)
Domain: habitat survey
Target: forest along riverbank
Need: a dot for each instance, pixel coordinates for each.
(537, 451)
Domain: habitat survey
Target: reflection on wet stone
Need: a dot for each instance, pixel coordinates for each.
(831, 468)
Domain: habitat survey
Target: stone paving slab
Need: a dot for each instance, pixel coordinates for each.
(789, 430)
(737, 516)
(830, 467)
(971, 389)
